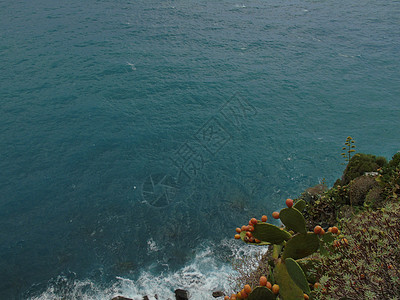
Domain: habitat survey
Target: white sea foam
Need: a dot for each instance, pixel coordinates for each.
(202, 276)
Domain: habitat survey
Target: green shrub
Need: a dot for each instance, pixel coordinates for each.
(359, 188)
(390, 178)
(323, 209)
(374, 197)
(361, 163)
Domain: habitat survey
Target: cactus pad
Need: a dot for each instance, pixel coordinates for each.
(297, 275)
(301, 245)
(261, 293)
(288, 290)
(293, 219)
(270, 233)
(300, 205)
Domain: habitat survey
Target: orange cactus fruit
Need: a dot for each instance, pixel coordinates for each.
(317, 286)
(233, 297)
(289, 203)
(269, 285)
(249, 234)
(275, 289)
(226, 298)
(238, 230)
(335, 230)
(317, 229)
(253, 221)
(330, 229)
(306, 297)
(247, 289)
(263, 281)
(251, 228)
(244, 294)
(257, 241)
(252, 239)
(237, 236)
(322, 231)
(264, 218)
(239, 295)
(243, 228)
(275, 215)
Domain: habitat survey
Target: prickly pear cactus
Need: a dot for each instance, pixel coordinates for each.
(261, 293)
(287, 247)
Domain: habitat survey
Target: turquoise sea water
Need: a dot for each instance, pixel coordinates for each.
(136, 135)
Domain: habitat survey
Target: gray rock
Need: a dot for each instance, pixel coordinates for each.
(181, 294)
(121, 298)
(218, 294)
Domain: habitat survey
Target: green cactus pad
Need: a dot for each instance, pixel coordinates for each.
(276, 250)
(270, 233)
(301, 245)
(300, 205)
(297, 275)
(261, 293)
(288, 290)
(293, 219)
(328, 238)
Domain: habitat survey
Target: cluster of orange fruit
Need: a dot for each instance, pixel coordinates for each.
(243, 294)
(264, 282)
(319, 230)
(253, 222)
(249, 229)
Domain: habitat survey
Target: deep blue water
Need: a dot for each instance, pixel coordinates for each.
(136, 135)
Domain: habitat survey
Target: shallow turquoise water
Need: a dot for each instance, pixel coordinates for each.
(134, 132)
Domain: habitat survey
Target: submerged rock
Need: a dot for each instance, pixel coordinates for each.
(218, 294)
(181, 294)
(121, 298)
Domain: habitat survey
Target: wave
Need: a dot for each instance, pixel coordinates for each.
(209, 271)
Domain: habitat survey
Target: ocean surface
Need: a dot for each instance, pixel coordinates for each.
(136, 135)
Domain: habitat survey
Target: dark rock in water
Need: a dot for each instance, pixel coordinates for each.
(181, 294)
(121, 298)
(218, 294)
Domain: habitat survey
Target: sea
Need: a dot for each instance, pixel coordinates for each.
(136, 135)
